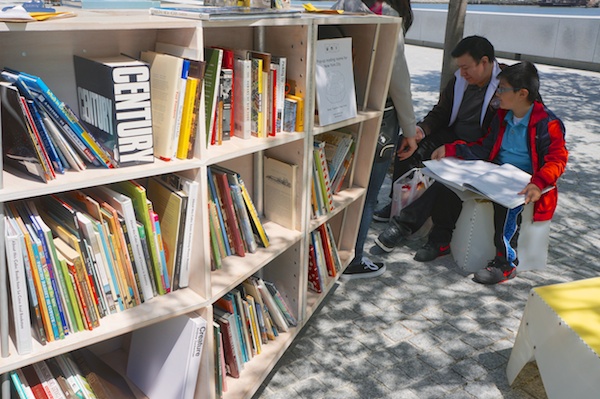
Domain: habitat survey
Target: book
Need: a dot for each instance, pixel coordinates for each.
(20, 149)
(47, 142)
(243, 217)
(290, 109)
(14, 247)
(336, 147)
(280, 63)
(170, 369)
(165, 81)
(228, 326)
(470, 179)
(282, 303)
(257, 225)
(213, 58)
(34, 382)
(274, 310)
(226, 102)
(334, 78)
(105, 382)
(191, 109)
(67, 119)
(222, 182)
(298, 117)
(123, 204)
(115, 106)
(315, 281)
(142, 208)
(242, 76)
(323, 175)
(280, 180)
(49, 382)
(341, 174)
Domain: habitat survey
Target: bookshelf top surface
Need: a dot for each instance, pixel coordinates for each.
(107, 19)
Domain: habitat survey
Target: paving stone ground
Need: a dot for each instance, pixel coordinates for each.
(426, 330)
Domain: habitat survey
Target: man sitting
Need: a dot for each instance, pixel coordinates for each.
(463, 112)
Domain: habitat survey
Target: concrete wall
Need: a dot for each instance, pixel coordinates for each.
(572, 41)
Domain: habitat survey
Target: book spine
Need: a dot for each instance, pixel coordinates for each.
(245, 227)
(181, 94)
(243, 99)
(192, 189)
(45, 137)
(254, 214)
(18, 290)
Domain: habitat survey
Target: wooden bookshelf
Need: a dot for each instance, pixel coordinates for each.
(47, 48)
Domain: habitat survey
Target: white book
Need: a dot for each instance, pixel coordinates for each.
(334, 78)
(14, 242)
(281, 64)
(274, 311)
(242, 98)
(192, 189)
(165, 80)
(124, 207)
(92, 237)
(498, 183)
(185, 67)
(164, 358)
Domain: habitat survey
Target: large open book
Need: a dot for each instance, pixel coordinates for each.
(476, 179)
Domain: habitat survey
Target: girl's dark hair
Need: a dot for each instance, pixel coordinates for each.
(523, 75)
(404, 9)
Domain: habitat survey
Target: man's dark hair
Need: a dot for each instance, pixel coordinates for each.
(476, 46)
(523, 75)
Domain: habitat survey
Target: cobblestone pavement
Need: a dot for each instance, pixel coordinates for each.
(426, 330)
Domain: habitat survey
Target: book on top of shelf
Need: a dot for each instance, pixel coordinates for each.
(115, 106)
(224, 13)
(334, 77)
(170, 368)
(191, 110)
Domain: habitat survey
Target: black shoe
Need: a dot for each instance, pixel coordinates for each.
(497, 271)
(364, 269)
(383, 214)
(430, 251)
(391, 237)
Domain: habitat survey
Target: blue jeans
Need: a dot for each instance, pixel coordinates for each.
(381, 163)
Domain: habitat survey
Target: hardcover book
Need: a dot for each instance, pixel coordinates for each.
(168, 370)
(115, 106)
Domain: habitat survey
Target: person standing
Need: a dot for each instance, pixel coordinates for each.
(398, 114)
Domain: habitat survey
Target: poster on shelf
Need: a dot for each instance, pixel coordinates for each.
(336, 94)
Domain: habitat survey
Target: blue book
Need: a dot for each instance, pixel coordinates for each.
(42, 92)
(45, 136)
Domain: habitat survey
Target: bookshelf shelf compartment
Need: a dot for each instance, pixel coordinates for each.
(158, 309)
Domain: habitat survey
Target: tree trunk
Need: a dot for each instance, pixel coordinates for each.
(455, 26)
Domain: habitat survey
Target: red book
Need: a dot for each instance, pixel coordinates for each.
(327, 250)
(232, 223)
(34, 382)
(314, 281)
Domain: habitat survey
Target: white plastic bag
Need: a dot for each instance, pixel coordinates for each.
(407, 188)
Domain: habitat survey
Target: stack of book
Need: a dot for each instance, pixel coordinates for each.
(80, 374)
(79, 256)
(176, 84)
(323, 258)
(42, 136)
(246, 318)
(244, 94)
(235, 227)
(333, 154)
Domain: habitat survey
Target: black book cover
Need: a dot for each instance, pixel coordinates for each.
(113, 95)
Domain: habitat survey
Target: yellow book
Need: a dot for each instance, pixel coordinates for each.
(191, 108)
(256, 339)
(299, 111)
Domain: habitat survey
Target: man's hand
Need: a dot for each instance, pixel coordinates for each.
(532, 193)
(439, 153)
(407, 147)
